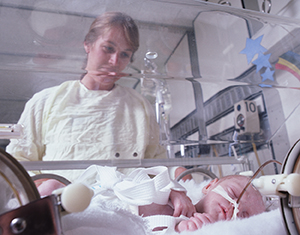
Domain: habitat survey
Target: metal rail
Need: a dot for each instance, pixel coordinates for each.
(73, 165)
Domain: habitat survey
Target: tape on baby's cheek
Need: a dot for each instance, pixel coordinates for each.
(219, 190)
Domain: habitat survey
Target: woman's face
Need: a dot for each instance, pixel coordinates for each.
(107, 58)
(220, 208)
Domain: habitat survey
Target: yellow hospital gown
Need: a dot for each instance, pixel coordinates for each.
(70, 122)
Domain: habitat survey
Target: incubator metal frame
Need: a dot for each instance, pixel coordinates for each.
(291, 213)
(37, 217)
(34, 215)
(15, 172)
(206, 174)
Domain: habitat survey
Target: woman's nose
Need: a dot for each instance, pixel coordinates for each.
(113, 59)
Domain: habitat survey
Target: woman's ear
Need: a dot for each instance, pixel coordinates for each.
(208, 187)
(86, 47)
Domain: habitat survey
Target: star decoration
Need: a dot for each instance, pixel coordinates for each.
(268, 74)
(252, 48)
(262, 61)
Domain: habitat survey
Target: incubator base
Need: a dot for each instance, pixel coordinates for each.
(23, 212)
(38, 217)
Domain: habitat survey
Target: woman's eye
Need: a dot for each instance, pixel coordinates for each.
(108, 49)
(125, 55)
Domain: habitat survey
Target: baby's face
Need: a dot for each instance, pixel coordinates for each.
(220, 208)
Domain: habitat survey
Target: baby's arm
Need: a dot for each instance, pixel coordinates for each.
(182, 204)
(47, 186)
(194, 223)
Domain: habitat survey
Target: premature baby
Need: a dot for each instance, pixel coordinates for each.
(218, 203)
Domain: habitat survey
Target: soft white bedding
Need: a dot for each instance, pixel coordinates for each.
(102, 218)
(268, 223)
(105, 218)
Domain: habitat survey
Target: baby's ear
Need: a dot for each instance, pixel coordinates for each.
(208, 187)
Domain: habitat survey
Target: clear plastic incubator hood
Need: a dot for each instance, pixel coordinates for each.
(224, 81)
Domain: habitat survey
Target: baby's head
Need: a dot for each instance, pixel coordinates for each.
(220, 204)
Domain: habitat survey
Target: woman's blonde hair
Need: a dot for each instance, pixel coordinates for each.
(103, 23)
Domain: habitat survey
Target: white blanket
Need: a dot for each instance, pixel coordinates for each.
(268, 223)
(104, 218)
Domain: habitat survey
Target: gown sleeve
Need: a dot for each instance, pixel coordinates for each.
(30, 147)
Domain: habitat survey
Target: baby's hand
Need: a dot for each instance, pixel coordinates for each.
(182, 204)
(46, 187)
(194, 223)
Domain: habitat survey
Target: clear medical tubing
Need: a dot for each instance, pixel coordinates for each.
(255, 174)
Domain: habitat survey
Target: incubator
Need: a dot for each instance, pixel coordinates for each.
(224, 82)
(23, 211)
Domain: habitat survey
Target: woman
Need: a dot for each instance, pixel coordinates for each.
(93, 118)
